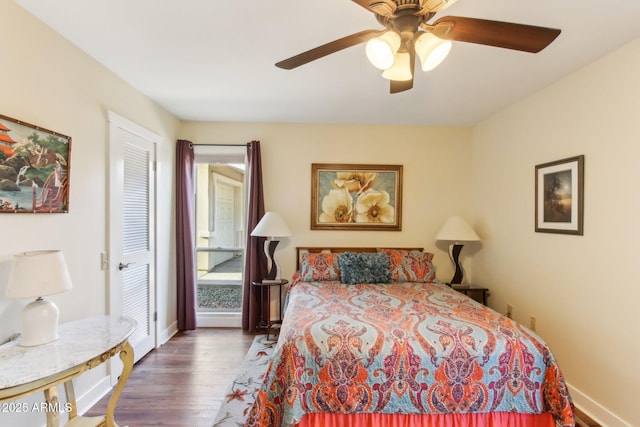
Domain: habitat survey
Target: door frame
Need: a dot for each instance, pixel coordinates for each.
(224, 154)
(115, 305)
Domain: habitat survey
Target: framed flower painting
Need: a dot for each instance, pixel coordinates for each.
(356, 197)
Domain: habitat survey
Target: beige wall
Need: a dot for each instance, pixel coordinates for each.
(582, 289)
(46, 81)
(436, 167)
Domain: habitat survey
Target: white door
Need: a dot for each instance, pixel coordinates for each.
(224, 217)
(132, 229)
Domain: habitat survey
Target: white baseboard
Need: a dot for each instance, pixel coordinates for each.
(219, 320)
(165, 335)
(93, 395)
(594, 410)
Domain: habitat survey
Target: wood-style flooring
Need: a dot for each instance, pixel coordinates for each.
(182, 383)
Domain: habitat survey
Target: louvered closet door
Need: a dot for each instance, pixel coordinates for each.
(132, 252)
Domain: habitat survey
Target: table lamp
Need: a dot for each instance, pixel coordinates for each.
(34, 275)
(457, 230)
(271, 226)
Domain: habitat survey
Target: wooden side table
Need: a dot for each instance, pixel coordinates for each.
(83, 344)
(476, 293)
(269, 324)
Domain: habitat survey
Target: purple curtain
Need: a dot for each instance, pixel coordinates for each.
(185, 239)
(255, 265)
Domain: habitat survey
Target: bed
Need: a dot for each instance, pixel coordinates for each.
(371, 338)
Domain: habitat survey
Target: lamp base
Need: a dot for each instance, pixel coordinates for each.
(39, 323)
(272, 263)
(454, 254)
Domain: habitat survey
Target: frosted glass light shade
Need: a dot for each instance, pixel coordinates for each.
(456, 229)
(401, 69)
(271, 225)
(431, 50)
(381, 50)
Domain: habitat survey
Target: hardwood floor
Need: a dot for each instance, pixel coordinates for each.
(183, 382)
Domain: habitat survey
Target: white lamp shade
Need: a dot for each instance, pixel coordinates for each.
(401, 69)
(456, 229)
(431, 50)
(37, 274)
(271, 225)
(381, 50)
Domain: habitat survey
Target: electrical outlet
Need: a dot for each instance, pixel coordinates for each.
(509, 311)
(532, 323)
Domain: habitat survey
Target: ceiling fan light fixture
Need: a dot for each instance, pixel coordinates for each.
(431, 50)
(401, 69)
(381, 50)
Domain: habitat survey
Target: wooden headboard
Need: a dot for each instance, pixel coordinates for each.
(317, 249)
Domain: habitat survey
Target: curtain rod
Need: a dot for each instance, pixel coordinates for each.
(220, 145)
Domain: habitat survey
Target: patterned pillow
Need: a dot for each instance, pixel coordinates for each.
(364, 267)
(319, 267)
(410, 266)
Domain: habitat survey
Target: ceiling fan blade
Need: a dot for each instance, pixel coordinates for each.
(327, 49)
(397, 86)
(527, 38)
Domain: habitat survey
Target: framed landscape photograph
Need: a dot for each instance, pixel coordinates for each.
(356, 197)
(34, 168)
(559, 196)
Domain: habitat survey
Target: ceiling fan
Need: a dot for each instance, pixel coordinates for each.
(408, 34)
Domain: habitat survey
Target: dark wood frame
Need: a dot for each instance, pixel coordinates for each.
(317, 195)
(544, 196)
(341, 249)
(43, 158)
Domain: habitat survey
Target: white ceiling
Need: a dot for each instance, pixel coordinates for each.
(213, 60)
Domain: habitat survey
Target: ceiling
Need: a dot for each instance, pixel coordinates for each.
(213, 60)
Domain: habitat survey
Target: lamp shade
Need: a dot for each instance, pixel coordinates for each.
(381, 50)
(271, 225)
(456, 229)
(401, 69)
(38, 273)
(431, 50)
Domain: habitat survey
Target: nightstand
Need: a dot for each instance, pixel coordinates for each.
(475, 293)
(269, 324)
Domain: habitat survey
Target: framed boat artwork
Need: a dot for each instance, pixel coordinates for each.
(34, 168)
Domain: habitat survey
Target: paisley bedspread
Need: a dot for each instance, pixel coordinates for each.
(404, 348)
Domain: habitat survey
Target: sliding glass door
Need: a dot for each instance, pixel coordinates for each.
(220, 234)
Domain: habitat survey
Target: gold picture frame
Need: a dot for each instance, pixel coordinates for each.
(560, 196)
(35, 164)
(356, 197)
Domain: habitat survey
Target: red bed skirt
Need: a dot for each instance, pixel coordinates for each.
(497, 419)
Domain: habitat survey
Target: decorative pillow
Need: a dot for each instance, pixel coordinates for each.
(410, 266)
(319, 267)
(364, 267)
